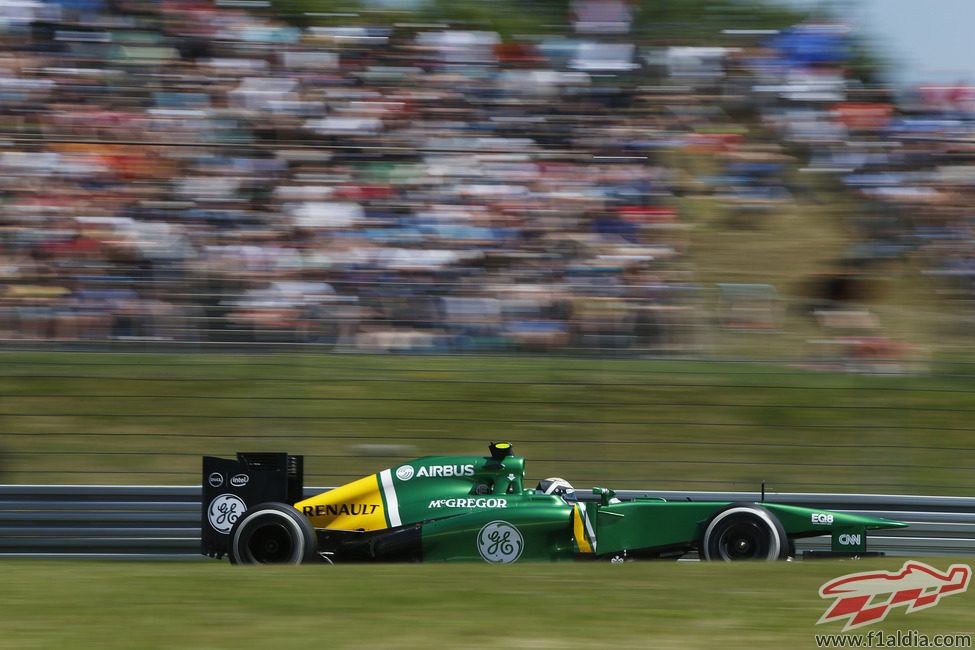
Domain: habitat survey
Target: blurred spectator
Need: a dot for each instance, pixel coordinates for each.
(192, 172)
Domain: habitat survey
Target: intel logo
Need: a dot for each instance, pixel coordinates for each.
(240, 480)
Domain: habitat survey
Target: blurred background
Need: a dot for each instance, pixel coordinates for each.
(482, 189)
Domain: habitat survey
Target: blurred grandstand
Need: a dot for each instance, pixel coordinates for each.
(206, 172)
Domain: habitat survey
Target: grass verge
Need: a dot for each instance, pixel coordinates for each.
(49, 604)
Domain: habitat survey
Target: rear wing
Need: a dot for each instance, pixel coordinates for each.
(232, 486)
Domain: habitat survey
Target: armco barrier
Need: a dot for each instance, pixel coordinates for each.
(163, 522)
(100, 521)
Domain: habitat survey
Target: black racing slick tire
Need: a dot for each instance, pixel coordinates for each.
(744, 531)
(272, 533)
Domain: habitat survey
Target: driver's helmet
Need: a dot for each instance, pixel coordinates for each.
(557, 486)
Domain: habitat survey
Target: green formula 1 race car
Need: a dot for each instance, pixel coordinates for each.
(476, 508)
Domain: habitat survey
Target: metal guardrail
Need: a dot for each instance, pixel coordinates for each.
(100, 521)
(163, 522)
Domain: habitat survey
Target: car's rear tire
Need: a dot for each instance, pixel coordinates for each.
(744, 532)
(272, 533)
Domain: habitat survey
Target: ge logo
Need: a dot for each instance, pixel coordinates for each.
(224, 511)
(500, 543)
(405, 473)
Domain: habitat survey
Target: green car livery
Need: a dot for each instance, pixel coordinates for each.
(477, 508)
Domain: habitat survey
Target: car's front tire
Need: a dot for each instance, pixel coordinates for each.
(743, 532)
(272, 533)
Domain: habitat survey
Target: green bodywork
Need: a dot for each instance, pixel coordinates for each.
(469, 508)
(443, 486)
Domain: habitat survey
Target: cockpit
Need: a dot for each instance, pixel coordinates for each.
(559, 487)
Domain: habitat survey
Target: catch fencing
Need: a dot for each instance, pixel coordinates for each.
(163, 522)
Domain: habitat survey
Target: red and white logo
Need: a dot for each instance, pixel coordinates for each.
(866, 598)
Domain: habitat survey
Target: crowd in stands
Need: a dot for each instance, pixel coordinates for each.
(186, 171)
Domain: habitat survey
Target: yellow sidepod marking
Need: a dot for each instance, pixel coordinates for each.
(354, 506)
(581, 529)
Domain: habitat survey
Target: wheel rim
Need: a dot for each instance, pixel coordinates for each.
(743, 540)
(270, 543)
